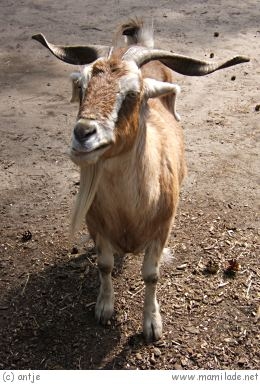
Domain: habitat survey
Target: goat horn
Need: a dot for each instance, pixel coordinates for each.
(78, 55)
(178, 63)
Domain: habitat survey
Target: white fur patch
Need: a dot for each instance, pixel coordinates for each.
(155, 88)
(127, 83)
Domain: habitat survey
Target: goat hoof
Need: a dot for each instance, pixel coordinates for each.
(152, 327)
(104, 310)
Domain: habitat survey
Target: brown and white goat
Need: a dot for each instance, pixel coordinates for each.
(129, 147)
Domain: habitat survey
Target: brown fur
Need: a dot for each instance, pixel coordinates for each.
(103, 86)
(138, 192)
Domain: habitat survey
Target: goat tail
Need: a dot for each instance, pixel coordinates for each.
(137, 32)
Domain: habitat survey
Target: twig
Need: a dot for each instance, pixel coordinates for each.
(221, 285)
(90, 304)
(31, 98)
(91, 262)
(176, 343)
(25, 285)
(136, 293)
(140, 290)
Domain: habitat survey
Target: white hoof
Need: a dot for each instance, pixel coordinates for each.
(152, 326)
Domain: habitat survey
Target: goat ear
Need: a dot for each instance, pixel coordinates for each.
(154, 88)
(75, 97)
(78, 55)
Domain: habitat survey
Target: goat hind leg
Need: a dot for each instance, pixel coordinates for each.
(105, 301)
(152, 322)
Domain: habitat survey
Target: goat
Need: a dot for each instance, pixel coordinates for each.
(129, 147)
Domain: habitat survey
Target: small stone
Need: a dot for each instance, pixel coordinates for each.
(177, 366)
(233, 78)
(242, 361)
(227, 340)
(216, 34)
(211, 55)
(157, 352)
(257, 108)
(152, 360)
(139, 356)
(204, 344)
(184, 362)
(219, 300)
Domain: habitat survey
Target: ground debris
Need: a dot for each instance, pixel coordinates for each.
(26, 236)
(212, 267)
(232, 268)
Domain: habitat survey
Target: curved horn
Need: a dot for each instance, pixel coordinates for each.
(78, 55)
(178, 63)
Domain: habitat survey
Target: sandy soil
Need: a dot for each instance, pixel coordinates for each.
(47, 291)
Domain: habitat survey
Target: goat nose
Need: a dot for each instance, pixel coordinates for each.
(84, 129)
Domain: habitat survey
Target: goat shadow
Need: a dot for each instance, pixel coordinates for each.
(49, 323)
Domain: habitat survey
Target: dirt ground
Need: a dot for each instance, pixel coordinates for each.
(48, 288)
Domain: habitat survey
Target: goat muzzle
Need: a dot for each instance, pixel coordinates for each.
(85, 130)
(90, 140)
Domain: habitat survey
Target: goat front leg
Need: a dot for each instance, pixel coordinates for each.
(105, 301)
(152, 322)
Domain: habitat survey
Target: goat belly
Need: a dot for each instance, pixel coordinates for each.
(128, 234)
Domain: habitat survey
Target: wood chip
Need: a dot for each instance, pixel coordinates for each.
(182, 266)
(193, 330)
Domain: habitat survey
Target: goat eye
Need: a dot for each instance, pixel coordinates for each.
(132, 95)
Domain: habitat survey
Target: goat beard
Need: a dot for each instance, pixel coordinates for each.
(89, 178)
